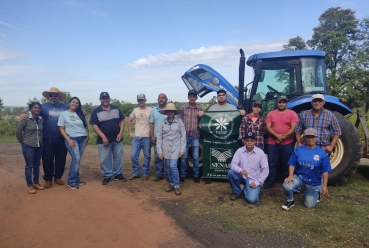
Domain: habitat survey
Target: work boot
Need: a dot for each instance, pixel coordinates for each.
(196, 180)
(177, 191)
(58, 181)
(169, 188)
(181, 181)
(158, 178)
(31, 190)
(38, 186)
(48, 184)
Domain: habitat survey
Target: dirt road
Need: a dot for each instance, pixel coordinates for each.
(92, 216)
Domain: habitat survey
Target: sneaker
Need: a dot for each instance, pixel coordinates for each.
(181, 180)
(38, 186)
(106, 180)
(74, 186)
(31, 190)
(80, 183)
(177, 191)
(196, 180)
(319, 198)
(120, 178)
(58, 181)
(288, 205)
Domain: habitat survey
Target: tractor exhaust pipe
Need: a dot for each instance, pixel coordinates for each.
(241, 79)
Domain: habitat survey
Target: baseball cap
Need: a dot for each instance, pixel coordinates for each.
(280, 98)
(249, 135)
(317, 96)
(141, 96)
(192, 92)
(221, 91)
(311, 132)
(257, 103)
(104, 94)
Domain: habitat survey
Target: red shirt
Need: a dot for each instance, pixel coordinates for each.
(281, 123)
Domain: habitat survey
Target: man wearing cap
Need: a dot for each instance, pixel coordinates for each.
(190, 115)
(54, 151)
(222, 105)
(280, 124)
(140, 138)
(309, 167)
(324, 121)
(249, 167)
(155, 121)
(108, 123)
(253, 122)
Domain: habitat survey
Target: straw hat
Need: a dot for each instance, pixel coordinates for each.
(55, 90)
(170, 106)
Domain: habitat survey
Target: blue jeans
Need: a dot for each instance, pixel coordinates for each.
(53, 150)
(76, 153)
(139, 143)
(106, 153)
(32, 157)
(311, 193)
(159, 164)
(276, 154)
(173, 174)
(194, 142)
(235, 179)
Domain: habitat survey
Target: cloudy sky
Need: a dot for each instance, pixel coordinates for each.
(141, 46)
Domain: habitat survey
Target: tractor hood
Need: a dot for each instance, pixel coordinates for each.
(205, 79)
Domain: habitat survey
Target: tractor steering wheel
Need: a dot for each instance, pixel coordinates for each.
(273, 91)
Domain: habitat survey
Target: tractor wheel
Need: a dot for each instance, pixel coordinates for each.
(345, 157)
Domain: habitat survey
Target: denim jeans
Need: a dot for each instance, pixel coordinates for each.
(32, 157)
(139, 143)
(194, 142)
(76, 153)
(235, 179)
(311, 193)
(278, 153)
(159, 164)
(113, 151)
(53, 150)
(173, 174)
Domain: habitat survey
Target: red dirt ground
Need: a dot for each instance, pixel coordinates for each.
(92, 216)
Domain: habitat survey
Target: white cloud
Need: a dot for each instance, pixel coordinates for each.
(7, 54)
(6, 24)
(200, 54)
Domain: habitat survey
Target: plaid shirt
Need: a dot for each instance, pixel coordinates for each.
(190, 118)
(258, 128)
(326, 124)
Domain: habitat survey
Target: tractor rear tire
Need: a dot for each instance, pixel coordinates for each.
(345, 157)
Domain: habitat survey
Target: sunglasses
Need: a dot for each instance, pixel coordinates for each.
(53, 95)
(318, 100)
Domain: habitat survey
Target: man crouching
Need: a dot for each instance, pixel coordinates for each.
(249, 167)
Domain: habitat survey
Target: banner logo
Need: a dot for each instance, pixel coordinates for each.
(221, 156)
(221, 125)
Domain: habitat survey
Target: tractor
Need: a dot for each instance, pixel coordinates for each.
(297, 75)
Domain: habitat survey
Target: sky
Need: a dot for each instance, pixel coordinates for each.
(128, 47)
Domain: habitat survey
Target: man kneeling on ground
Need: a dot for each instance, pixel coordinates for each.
(249, 167)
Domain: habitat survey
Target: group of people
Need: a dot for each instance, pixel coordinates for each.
(306, 165)
(53, 128)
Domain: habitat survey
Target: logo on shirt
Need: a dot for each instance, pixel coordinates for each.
(220, 158)
(316, 157)
(220, 125)
(141, 119)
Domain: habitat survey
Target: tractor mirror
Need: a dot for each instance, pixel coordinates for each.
(257, 68)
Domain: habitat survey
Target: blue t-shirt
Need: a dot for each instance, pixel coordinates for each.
(72, 123)
(157, 119)
(310, 164)
(50, 114)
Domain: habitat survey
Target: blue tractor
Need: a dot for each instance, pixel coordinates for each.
(296, 74)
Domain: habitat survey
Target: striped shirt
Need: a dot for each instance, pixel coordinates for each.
(326, 124)
(258, 128)
(190, 118)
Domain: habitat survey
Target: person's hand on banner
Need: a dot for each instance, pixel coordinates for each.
(242, 112)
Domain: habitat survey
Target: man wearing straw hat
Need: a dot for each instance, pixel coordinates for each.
(54, 151)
